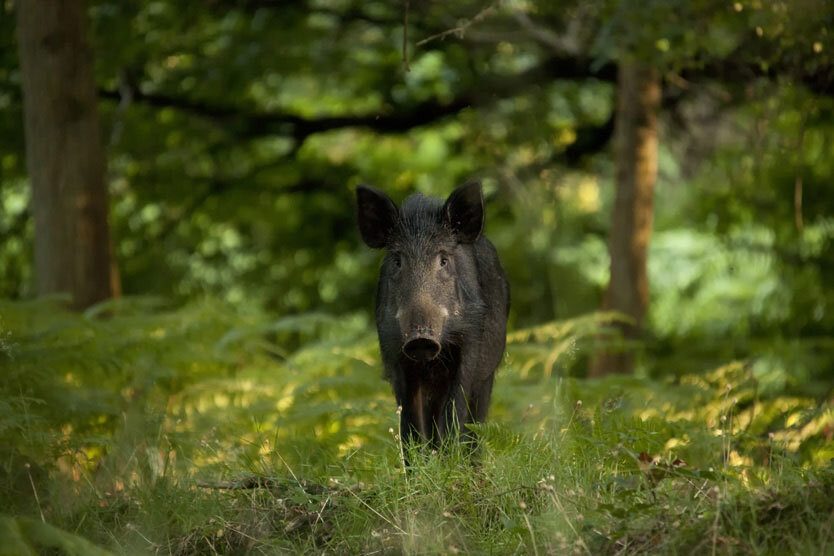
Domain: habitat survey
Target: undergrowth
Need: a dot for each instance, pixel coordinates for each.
(138, 428)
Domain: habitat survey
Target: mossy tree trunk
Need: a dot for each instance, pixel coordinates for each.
(64, 152)
(638, 103)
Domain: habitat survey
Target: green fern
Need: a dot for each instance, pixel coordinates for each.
(24, 536)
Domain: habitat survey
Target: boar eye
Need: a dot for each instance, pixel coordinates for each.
(444, 260)
(398, 262)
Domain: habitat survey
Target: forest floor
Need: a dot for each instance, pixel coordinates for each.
(535, 494)
(194, 432)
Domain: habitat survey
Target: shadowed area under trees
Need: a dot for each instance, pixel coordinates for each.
(188, 358)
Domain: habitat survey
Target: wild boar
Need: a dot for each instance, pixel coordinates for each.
(441, 307)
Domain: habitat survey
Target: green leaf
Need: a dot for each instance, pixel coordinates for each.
(25, 536)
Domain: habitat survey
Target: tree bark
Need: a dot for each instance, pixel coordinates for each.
(638, 102)
(64, 152)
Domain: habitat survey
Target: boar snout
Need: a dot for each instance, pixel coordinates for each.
(422, 326)
(421, 348)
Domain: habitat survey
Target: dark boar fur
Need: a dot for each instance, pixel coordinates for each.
(441, 307)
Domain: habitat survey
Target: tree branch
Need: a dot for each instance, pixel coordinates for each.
(460, 29)
(247, 123)
(251, 123)
(540, 34)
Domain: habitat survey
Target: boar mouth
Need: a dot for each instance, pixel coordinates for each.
(421, 349)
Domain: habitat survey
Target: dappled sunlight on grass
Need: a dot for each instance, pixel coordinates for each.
(281, 433)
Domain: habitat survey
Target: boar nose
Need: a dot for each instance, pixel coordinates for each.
(421, 348)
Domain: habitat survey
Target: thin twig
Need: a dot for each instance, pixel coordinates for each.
(391, 523)
(125, 100)
(287, 465)
(532, 536)
(576, 406)
(797, 184)
(241, 533)
(558, 502)
(247, 483)
(136, 530)
(400, 441)
(461, 29)
(405, 36)
(37, 499)
(541, 34)
(322, 510)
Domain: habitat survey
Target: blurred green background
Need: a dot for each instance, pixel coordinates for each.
(235, 132)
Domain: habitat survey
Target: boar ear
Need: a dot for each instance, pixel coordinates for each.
(465, 211)
(377, 214)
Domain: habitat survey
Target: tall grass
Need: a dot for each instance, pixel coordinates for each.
(140, 428)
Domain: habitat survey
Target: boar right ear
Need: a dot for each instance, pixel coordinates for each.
(465, 211)
(377, 215)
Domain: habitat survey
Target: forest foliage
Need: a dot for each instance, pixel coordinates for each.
(233, 400)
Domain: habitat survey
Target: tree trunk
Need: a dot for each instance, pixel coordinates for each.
(64, 152)
(638, 102)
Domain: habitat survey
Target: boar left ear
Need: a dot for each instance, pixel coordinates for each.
(377, 215)
(465, 211)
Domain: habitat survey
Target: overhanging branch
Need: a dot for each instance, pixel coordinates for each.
(252, 123)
